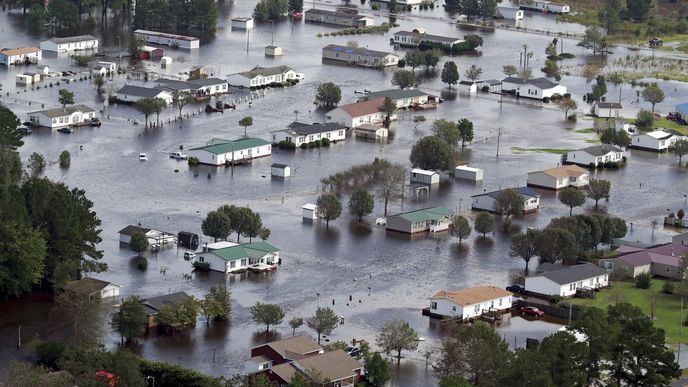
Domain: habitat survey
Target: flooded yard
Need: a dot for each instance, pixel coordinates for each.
(386, 275)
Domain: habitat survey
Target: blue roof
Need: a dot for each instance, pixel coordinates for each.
(682, 108)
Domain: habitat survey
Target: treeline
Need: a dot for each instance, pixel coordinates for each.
(48, 232)
(473, 8)
(192, 17)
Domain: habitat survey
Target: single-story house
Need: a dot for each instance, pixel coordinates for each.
(595, 155)
(165, 39)
(421, 176)
(658, 140)
(220, 152)
(681, 238)
(417, 36)
(545, 6)
(70, 43)
(209, 86)
(468, 173)
(277, 352)
(470, 302)
(682, 110)
(403, 2)
(467, 87)
(662, 261)
(337, 18)
(488, 201)
(356, 114)
(564, 280)
(607, 109)
(28, 78)
(360, 56)
(21, 55)
(301, 133)
(490, 85)
(427, 219)
(92, 287)
(337, 367)
(511, 13)
(264, 76)
(154, 236)
(59, 117)
(537, 88)
(559, 177)
(280, 170)
(242, 23)
(153, 305)
(403, 98)
(131, 94)
(371, 132)
(103, 68)
(241, 257)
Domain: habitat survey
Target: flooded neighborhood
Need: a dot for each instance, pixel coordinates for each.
(346, 175)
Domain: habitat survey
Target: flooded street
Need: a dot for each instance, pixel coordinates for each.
(386, 275)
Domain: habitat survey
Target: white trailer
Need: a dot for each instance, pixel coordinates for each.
(468, 173)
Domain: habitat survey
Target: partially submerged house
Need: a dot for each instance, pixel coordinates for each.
(431, 219)
(70, 44)
(594, 156)
(132, 93)
(467, 87)
(153, 305)
(60, 117)
(92, 288)
(242, 23)
(371, 132)
(487, 201)
(337, 18)
(403, 98)
(360, 56)
(417, 36)
(658, 140)
(20, 55)
(545, 6)
(270, 354)
(508, 12)
(468, 173)
(264, 76)
(537, 88)
(165, 39)
(258, 256)
(154, 236)
(564, 281)
(280, 170)
(300, 133)
(425, 177)
(469, 303)
(607, 109)
(359, 113)
(218, 151)
(559, 177)
(662, 261)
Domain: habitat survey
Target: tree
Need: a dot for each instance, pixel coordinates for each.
(63, 15)
(65, 159)
(130, 320)
(474, 72)
(455, 381)
(509, 70)
(328, 95)
(599, 89)
(567, 104)
(397, 335)
(252, 225)
(377, 370)
(594, 39)
(36, 163)
(509, 202)
(466, 131)
(431, 58)
(475, 352)
(388, 107)
(246, 122)
(295, 323)
(525, 73)
(612, 228)
(432, 153)
(524, 245)
(22, 254)
(644, 119)
(598, 189)
(414, 59)
(593, 323)
(391, 186)
(555, 244)
(680, 149)
(295, 6)
(653, 94)
(403, 79)
(488, 8)
(361, 203)
(419, 119)
(323, 322)
(268, 314)
(450, 74)
(551, 50)
(572, 197)
(619, 138)
(159, 105)
(484, 223)
(640, 10)
(460, 228)
(217, 303)
(216, 225)
(298, 380)
(473, 41)
(10, 134)
(270, 9)
(65, 97)
(183, 98)
(329, 207)
(37, 18)
(447, 131)
(70, 318)
(565, 359)
(138, 243)
(146, 106)
(25, 374)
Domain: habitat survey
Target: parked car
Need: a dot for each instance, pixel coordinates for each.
(95, 121)
(656, 42)
(179, 156)
(585, 293)
(143, 157)
(532, 311)
(354, 351)
(516, 288)
(189, 255)
(66, 130)
(25, 129)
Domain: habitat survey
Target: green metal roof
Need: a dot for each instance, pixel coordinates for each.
(395, 94)
(261, 246)
(246, 250)
(432, 213)
(219, 146)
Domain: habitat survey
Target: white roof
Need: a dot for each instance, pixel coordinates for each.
(423, 172)
(658, 134)
(309, 206)
(467, 168)
(220, 245)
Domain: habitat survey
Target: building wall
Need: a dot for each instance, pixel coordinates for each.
(397, 223)
(109, 291)
(542, 285)
(541, 179)
(446, 307)
(168, 41)
(592, 283)
(424, 179)
(69, 47)
(215, 89)
(483, 202)
(333, 135)
(133, 98)
(361, 59)
(41, 119)
(206, 157)
(268, 352)
(660, 269)
(216, 263)
(9, 60)
(238, 80)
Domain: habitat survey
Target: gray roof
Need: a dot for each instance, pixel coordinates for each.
(172, 299)
(306, 129)
(265, 71)
(131, 230)
(395, 94)
(207, 82)
(72, 39)
(542, 83)
(466, 83)
(139, 91)
(568, 274)
(526, 192)
(609, 105)
(491, 82)
(60, 112)
(278, 165)
(334, 13)
(428, 37)
(173, 84)
(356, 50)
(601, 150)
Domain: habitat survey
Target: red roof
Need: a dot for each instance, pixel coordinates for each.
(669, 254)
(364, 108)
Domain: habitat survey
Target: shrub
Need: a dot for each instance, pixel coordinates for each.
(193, 161)
(325, 142)
(555, 299)
(65, 159)
(142, 263)
(317, 143)
(401, 63)
(546, 100)
(311, 145)
(643, 281)
(304, 146)
(375, 7)
(49, 352)
(644, 119)
(201, 266)
(668, 288)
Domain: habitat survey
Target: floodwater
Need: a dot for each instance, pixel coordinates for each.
(386, 275)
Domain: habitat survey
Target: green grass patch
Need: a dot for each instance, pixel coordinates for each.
(585, 131)
(554, 151)
(667, 315)
(664, 123)
(592, 141)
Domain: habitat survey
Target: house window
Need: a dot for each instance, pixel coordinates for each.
(201, 259)
(500, 302)
(232, 264)
(341, 132)
(244, 262)
(454, 308)
(433, 305)
(476, 309)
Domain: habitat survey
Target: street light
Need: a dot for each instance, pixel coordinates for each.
(150, 378)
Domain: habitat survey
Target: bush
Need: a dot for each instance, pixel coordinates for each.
(311, 145)
(643, 281)
(304, 146)
(555, 299)
(201, 266)
(645, 119)
(193, 161)
(325, 142)
(546, 100)
(65, 159)
(142, 263)
(402, 63)
(375, 7)
(668, 288)
(317, 143)
(49, 352)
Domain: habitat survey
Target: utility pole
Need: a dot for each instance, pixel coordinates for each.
(272, 31)
(232, 159)
(248, 36)
(499, 135)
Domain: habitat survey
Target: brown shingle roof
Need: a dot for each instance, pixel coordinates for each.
(284, 371)
(19, 51)
(297, 346)
(566, 171)
(472, 295)
(87, 286)
(333, 366)
(364, 108)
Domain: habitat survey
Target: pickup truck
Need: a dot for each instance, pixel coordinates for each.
(179, 156)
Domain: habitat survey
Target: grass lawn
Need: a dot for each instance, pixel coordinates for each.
(585, 131)
(667, 315)
(663, 123)
(554, 151)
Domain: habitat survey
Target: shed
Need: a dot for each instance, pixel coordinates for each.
(273, 50)
(310, 211)
(188, 239)
(91, 287)
(24, 79)
(280, 170)
(371, 131)
(468, 173)
(467, 87)
(165, 61)
(151, 53)
(43, 69)
(242, 23)
(422, 176)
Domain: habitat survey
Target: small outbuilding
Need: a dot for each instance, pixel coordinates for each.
(242, 23)
(188, 240)
(273, 51)
(468, 173)
(93, 288)
(421, 176)
(165, 61)
(372, 132)
(151, 53)
(280, 170)
(310, 211)
(467, 87)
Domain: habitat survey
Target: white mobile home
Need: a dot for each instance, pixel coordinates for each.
(300, 133)
(511, 13)
(421, 176)
(360, 56)
(359, 113)
(537, 88)
(595, 155)
(336, 18)
(70, 44)
(545, 6)
(59, 117)
(467, 87)
(607, 109)
(173, 40)
(468, 173)
(403, 98)
(154, 236)
(659, 140)
(93, 288)
(564, 280)
(242, 23)
(470, 302)
(488, 200)
(241, 257)
(264, 76)
(559, 178)
(131, 94)
(417, 36)
(220, 152)
(431, 219)
(22, 55)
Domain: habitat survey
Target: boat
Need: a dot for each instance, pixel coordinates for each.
(66, 130)
(143, 157)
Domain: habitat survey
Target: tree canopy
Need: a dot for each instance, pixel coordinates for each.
(328, 95)
(397, 335)
(323, 322)
(361, 203)
(432, 153)
(572, 197)
(403, 79)
(268, 314)
(329, 207)
(450, 74)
